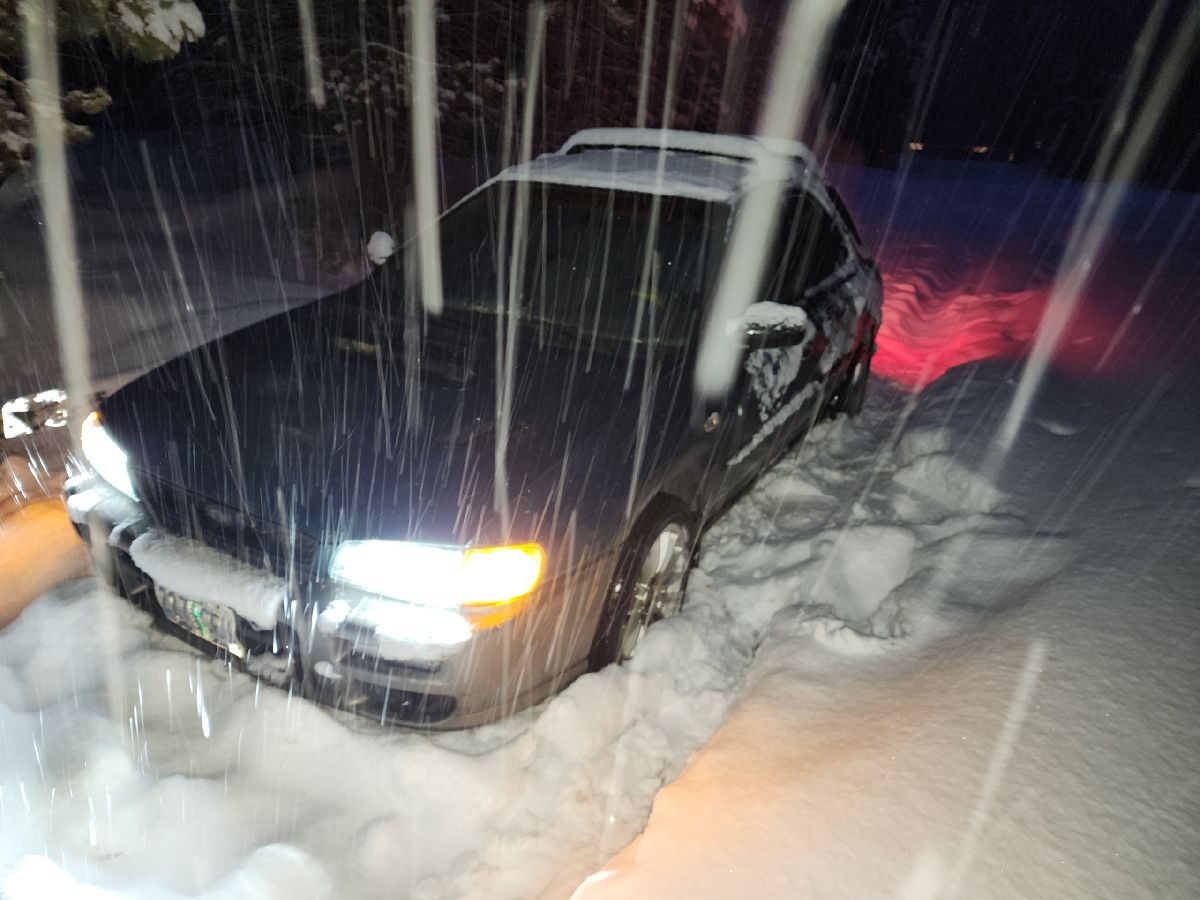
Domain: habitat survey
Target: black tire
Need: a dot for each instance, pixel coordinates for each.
(662, 515)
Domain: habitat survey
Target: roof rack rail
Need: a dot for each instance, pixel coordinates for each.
(735, 146)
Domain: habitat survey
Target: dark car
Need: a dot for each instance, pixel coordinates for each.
(439, 519)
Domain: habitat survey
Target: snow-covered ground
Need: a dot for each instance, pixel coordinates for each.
(906, 667)
(1029, 729)
(1010, 713)
(160, 274)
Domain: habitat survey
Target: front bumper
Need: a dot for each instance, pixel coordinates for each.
(430, 669)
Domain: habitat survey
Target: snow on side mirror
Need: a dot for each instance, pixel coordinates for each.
(380, 247)
(767, 324)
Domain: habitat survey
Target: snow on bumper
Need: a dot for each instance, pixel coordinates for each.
(210, 577)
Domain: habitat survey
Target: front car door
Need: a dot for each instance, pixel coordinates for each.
(783, 384)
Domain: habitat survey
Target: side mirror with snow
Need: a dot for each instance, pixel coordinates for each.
(380, 247)
(767, 325)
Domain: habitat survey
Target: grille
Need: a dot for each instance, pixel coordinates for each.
(228, 529)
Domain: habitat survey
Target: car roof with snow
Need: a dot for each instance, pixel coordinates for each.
(713, 167)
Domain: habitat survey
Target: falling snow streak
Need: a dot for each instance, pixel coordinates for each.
(312, 59)
(424, 150)
(41, 48)
(509, 322)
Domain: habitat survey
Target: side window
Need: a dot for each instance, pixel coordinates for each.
(808, 248)
(840, 205)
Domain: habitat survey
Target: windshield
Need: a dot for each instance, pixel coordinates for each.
(597, 263)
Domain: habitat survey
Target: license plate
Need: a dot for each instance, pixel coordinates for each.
(215, 624)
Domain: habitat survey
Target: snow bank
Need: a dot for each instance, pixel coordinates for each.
(1034, 736)
(865, 603)
(204, 768)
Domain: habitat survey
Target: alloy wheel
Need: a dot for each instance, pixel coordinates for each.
(658, 585)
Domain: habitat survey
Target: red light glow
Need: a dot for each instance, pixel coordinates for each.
(936, 318)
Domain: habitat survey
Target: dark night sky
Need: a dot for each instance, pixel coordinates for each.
(1036, 79)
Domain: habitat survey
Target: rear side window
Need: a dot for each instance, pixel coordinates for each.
(808, 249)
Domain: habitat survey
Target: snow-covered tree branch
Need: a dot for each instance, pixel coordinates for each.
(146, 30)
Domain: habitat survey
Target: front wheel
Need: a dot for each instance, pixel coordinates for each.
(650, 580)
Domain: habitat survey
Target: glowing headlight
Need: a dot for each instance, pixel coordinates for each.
(109, 460)
(439, 576)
